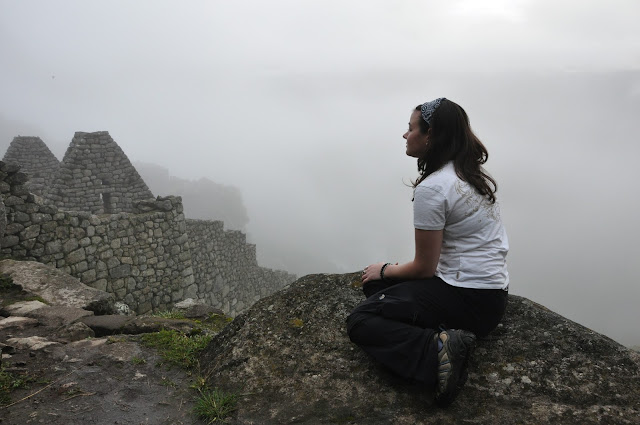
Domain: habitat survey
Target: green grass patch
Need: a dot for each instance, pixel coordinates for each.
(216, 322)
(114, 339)
(177, 348)
(215, 405)
(138, 360)
(9, 382)
(168, 382)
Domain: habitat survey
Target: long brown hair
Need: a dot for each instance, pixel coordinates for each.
(451, 139)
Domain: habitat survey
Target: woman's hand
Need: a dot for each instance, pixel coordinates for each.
(372, 272)
(423, 266)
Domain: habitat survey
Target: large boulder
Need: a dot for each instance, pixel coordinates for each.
(290, 359)
(56, 287)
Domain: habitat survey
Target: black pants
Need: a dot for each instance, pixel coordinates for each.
(397, 322)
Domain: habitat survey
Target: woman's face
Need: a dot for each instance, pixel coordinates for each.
(416, 141)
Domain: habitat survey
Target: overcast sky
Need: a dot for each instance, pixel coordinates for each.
(302, 105)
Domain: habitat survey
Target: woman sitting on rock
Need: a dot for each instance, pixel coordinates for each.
(421, 318)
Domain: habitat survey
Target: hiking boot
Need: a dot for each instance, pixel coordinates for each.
(453, 358)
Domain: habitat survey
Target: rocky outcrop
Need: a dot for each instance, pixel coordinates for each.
(75, 376)
(290, 358)
(56, 287)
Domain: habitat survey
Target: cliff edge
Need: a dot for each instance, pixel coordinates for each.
(291, 361)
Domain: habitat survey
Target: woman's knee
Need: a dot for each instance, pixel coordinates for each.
(356, 324)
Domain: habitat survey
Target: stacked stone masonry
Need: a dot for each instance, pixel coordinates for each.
(225, 266)
(36, 161)
(149, 258)
(96, 176)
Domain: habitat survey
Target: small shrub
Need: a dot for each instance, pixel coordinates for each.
(215, 405)
(199, 383)
(6, 282)
(10, 382)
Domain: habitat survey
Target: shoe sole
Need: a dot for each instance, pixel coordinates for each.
(469, 341)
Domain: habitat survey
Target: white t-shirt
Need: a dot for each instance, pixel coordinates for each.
(474, 244)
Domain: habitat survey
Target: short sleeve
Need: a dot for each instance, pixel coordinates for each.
(429, 209)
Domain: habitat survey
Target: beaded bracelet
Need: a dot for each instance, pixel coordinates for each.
(382, 270)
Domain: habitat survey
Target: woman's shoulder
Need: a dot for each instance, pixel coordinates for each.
(445, 177)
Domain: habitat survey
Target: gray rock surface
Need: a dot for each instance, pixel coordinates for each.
(21, 308)
(55, 316)
(74, 332)
(123, 309)
(117, 324)
(34, 343)
(193, 309)
(290, 358)
(17, 322)
(56, 287)
(110, 324)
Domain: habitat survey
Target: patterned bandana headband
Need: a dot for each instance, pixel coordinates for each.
(429, 108)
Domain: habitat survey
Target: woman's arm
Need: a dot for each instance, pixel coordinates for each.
(428, 244)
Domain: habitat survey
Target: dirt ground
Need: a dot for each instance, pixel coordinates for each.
(95, 381)
(99, 382)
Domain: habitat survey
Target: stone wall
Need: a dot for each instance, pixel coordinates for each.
(96, 176)
(226, 268)
(145, 258)
(35, 158)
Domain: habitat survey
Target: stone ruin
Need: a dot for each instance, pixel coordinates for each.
(35, 159)
(142, 250)
(96, 176)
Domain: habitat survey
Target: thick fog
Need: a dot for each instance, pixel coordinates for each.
(301, 107)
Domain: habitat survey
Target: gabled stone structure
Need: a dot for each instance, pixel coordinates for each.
(35, 159)
(96, 176)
